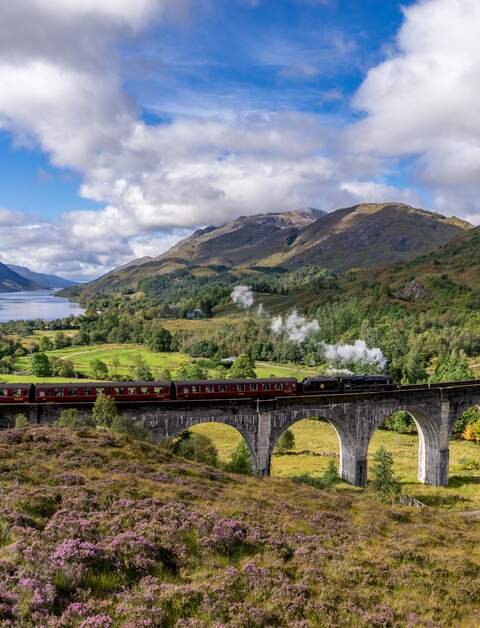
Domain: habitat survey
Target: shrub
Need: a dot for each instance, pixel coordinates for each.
(240, 461)
(21, 421)
(286, 442)
(330, 476)
(124, 425)
(104, 410)
(196, 447)
(401, 422)
(71, 418)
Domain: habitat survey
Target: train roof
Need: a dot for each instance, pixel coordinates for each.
(252, 380)
(334, 378)
(84, 384)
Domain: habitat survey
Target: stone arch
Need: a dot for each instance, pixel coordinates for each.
(240, 431)
(351, 469)
(319, 419)
(432, 454)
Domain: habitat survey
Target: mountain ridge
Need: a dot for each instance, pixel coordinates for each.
(362, 236)
(10, 281)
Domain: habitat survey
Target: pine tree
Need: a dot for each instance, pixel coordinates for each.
(330, 476)
(286, 442)
(383, 480)
(104, 410)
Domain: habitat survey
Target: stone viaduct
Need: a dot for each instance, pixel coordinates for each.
(355, 417)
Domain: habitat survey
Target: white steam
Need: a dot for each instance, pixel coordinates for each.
(243, 297)
(358, 353)
(296, 327)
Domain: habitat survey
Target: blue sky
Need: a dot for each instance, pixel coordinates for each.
(124, 126)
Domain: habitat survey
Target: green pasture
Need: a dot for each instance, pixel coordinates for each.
(316, 443)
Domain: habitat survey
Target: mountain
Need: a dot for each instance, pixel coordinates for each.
(48, 282)
(364, 235)
(10, 281)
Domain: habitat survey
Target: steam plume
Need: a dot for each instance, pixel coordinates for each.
(297, 328)
(355, 354)
(243, 297)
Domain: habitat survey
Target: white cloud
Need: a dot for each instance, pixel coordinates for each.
(424, 100)
(62, 91)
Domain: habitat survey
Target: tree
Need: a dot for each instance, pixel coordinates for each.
(45, 344)
(330, 476)
(114, 370)
(196, 447)
(413, 369)
(62, 368)
(165, 375)
(383, 480)
(286, 442)
(61, 341)
(98, 369)
(452, 367)
(158, 339)
(240, 461)
(40, 365)
(243, 368)
(21, 421)
(142, 372)
(191, 371)
(469, 416)
(401, 422)
(472, 432)
(104, 410)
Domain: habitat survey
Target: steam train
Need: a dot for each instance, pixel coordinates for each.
(87, 392)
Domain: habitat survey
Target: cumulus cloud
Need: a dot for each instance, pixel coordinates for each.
(423, 101)
(62, 92)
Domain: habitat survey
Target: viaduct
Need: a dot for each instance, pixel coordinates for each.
(355, 417)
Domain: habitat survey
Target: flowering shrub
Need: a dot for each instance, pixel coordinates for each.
(97, 532)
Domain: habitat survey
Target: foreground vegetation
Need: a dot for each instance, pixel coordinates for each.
(100, 530)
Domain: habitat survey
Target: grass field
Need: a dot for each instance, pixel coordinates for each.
(316, 443)
(126, 354)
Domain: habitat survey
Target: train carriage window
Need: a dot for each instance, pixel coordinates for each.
(241, 387)
(223, 389)
(86, 392)
(186, 390)
(41, 393)
(117, 391)
(279, 386)
(195, 389)
(73, 392)
(132, 390)
(58, 392)
(208, 389)
(157, 390)
(3, 392)
(18, 393)
(266, 386)
(144, 390)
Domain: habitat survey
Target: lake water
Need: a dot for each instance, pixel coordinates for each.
(15, 306)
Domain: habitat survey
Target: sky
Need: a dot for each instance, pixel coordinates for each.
(126, 125)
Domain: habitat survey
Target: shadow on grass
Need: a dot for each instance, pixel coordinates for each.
(456, 481)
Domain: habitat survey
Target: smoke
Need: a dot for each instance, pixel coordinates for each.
(358, 353)
(261, 310)
(296, 327)
(330, 372)
(243, 297)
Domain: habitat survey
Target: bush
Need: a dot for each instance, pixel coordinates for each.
(104, 410)
(196, 447)
(71, 418)
(286, 442)
(125, 425)
(329, 478)
(240, 461)
(21, 421)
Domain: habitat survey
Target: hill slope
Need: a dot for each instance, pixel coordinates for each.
(365, 235)
(10, 281)
(449, 274)
(98, 530)
(49, 282)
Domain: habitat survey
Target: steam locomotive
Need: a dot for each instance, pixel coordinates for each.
(87, 392)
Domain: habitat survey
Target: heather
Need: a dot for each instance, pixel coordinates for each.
(97, 529)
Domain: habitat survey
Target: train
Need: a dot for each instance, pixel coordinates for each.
(266, 388)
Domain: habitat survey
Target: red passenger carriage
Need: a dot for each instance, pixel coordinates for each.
(234, 388)
(17, 393)
(88, 391)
